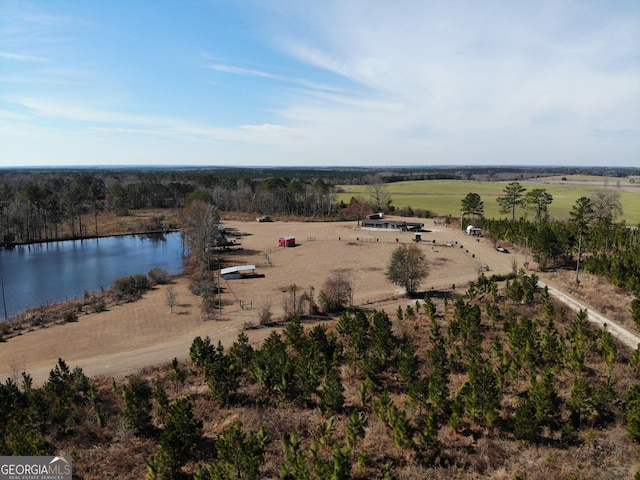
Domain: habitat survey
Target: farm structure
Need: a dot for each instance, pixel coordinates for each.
(474, 231)
(396, 225)
(288, 241)
(221, 239)
(235, 273)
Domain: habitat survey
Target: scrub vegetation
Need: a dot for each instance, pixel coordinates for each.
(497, 382)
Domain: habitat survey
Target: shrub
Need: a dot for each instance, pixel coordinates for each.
(131, 286)
(336, 292)
(203, 285)
(158, 276)
(100, 307)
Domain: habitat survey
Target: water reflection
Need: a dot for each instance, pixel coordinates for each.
(39, 274)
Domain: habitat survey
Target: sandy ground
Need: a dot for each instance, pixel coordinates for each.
(130, 337)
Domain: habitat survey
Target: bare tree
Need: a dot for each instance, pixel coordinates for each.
(172, 298)
(606, 205)
(378, 193)
(265, 315)
(337, 292)
(200, 225)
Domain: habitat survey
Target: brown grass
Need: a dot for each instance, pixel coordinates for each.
(144, 336)
(597, 293)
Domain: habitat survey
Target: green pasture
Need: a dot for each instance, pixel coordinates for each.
(444, 197)
(601, 181)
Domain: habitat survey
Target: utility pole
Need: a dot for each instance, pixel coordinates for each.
(4, 303)
(219, 286)
(579, 254)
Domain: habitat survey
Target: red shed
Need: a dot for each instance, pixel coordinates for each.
(288, 241)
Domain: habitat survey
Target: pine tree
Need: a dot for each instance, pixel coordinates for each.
(427, 444)
(545, 399)
(182, 434)
(635, 309)
(137, 399)
(268, 362)
(242, 351)
(438, 380)
(332, 394)
(513, 197)
(355, 428)
(634, 361)
(526, 424)
(202, 351)
(608, 349)
(552, 346)
(222, 377)
(240, 455)
(632, 411)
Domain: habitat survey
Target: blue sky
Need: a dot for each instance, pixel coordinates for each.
(308, 83)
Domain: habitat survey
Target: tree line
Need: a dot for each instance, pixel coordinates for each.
(37, 208)
(590, 239)
(36, 204)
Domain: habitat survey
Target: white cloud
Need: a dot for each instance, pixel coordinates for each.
(41, 107)
(489, 75)
(360, 82)
(242, 71)
(22, 58)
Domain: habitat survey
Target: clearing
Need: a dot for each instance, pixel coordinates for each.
(129, 337)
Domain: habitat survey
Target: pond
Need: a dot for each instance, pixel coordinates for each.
(41, 274)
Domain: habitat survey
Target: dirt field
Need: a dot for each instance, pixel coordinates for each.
(146, 333)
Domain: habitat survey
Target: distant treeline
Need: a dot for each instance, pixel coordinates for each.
(36, 203)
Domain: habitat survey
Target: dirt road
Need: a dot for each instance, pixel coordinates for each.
(623, 335)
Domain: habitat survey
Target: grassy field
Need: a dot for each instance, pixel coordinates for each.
(444, 197)
(629, 181)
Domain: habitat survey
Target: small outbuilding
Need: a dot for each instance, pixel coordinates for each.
(474, 231)
(235, 273)
(396, 225)
(288, 241)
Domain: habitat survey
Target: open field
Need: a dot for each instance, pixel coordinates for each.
(443, 197)
(630, 182)
(146, 333)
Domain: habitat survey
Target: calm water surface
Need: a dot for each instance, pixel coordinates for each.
(37, 275)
